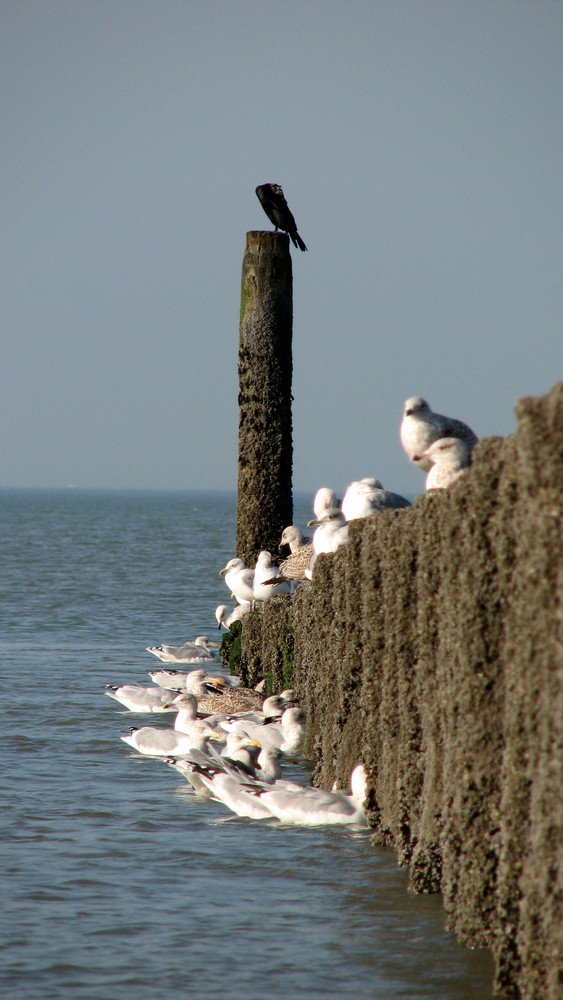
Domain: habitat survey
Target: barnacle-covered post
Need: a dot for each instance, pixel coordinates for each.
(265, 446)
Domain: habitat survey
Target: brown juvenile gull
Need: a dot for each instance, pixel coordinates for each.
(293, 568)
(450, 458)
(420, 426)
(272, 199)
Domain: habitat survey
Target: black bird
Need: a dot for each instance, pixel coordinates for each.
(273, 202)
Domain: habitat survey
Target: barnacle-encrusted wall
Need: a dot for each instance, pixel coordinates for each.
(432, 648)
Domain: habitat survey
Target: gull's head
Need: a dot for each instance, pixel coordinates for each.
(232, 564)
(359, 783)
(264, 560)
(324, 499)
(291, 534)
(414, 406)
(183, 702)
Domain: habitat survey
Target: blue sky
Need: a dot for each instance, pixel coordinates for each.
(419, 145)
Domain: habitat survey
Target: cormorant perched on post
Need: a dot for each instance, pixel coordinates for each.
(273, 202)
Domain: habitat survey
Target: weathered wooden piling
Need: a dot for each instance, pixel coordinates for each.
(265, 454)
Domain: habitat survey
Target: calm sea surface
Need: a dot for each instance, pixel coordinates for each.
(116, 883)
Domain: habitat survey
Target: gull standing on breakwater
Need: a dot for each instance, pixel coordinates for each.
(201, 650)
(293, 568)
(450, 457)
(240, 580)
(265, 574)
(324, 499)
(227, 616)
(364, 497)
(272, 199)
(331, 531)
(420, 426)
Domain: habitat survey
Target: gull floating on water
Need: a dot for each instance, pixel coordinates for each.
(450, 457)
(364, 497)
(189, 733)
(144, 699)
(420, 426)
(201, 650)
(315, 807)
(287, 735)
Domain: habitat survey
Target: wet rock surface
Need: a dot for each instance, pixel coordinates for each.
(431, 647)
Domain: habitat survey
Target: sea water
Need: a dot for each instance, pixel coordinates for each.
(116, 881)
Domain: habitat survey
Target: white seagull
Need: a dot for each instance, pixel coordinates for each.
(240, 580)
(450, 457)
(420, 426)
(201, 650)
(364, 497)
(144, 699)
(265, 574)
(315, 807)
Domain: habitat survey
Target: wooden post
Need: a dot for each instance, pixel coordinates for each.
(265, 456)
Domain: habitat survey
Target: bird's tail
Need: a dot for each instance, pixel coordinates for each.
(298, 242)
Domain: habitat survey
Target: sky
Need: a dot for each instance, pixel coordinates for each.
(420, 147)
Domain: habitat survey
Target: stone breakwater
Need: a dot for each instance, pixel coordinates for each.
(431, 647)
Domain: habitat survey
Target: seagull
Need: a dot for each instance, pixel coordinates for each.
(288, 734)
(166, 742)
(195, 682)
(242, 760)
(367, 496)
(324, 499)
(331, 531)
(227, 616)
(272, 199)
(420, 426)
(144, 699)
(293, 568)
(307, 806)
(240, 580)
(198, 651)
(265, 575)
(188, 733)
(450, 457)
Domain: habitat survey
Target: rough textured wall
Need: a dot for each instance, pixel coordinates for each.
(432, 648)
(265, 449)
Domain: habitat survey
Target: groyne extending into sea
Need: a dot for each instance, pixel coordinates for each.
(431, 647)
